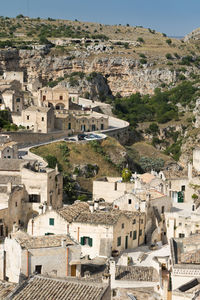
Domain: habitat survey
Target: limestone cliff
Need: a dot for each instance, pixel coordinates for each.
(124, 75)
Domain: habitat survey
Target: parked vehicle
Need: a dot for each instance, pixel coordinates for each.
(81, 136)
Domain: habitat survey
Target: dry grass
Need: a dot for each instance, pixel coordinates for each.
(147, 150)
(80, 153)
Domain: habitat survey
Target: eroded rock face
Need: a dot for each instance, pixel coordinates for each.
(124, 76)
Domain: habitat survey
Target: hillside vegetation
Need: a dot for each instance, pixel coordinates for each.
(81, 163)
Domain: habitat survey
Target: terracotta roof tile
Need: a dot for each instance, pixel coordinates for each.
(45, 288)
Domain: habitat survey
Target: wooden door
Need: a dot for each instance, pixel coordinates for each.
(73, 270)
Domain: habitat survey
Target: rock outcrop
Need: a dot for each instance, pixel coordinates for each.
(124, 76)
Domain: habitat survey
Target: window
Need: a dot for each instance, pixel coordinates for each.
(134, 234)
(129, 201)
(61, 97)
(134, 221)
(162, 209)
(140, 233)
(181, 235)
(183, 188)
(119, 241)
(1, 101)
(49, 233)
(8, 150)
(131, 233)
(42, 118)
(15, 204)
(33, 198)
(27, 117)
(122, 225)
(27, 127)
(85, 240)
(69, 126)
(38, 269)
(44, 98)
(180, 224)
(115, 186)
(51, 221)
(102, 126)
(18, 100)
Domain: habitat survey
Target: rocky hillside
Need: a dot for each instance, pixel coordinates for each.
(109, 62)
(81, 163)
(131, 59)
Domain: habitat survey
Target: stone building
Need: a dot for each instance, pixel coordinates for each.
(26, 189)
(182, 220)
(153, 204)
(55, 256)
(182, 184)
(111, 188)
(80, 121)
(58, 97)
(99, 232)
(13, 75)
(11, 99)
(185, 258)
(38, 119)
(8, 148)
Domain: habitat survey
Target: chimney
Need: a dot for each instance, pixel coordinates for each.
(63, 242)
(40, 210)
(44, 207)
(143, 206)
(96, 204)
(112, 273)
(105, 278)
(148, 196)
(91, 206)
(15, 227)
(9, 187)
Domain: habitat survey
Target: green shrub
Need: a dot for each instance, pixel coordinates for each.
(168, 56)
(148, 164)
(140, 39)
(169, 41)
(143, 61)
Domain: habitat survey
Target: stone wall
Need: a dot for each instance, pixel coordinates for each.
(26, 138)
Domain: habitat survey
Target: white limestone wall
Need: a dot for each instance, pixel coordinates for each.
(96, 232)
(177, 281)
(40, 224)
(13, 260)
(112, 190)
(196, 159)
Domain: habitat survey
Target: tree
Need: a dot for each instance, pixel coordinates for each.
(140, 39)
(169, 56)
(51, 160)
(126, 175)
(169, 41)
(20, 16)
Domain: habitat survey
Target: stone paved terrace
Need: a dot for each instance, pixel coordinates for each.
(47, 241)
